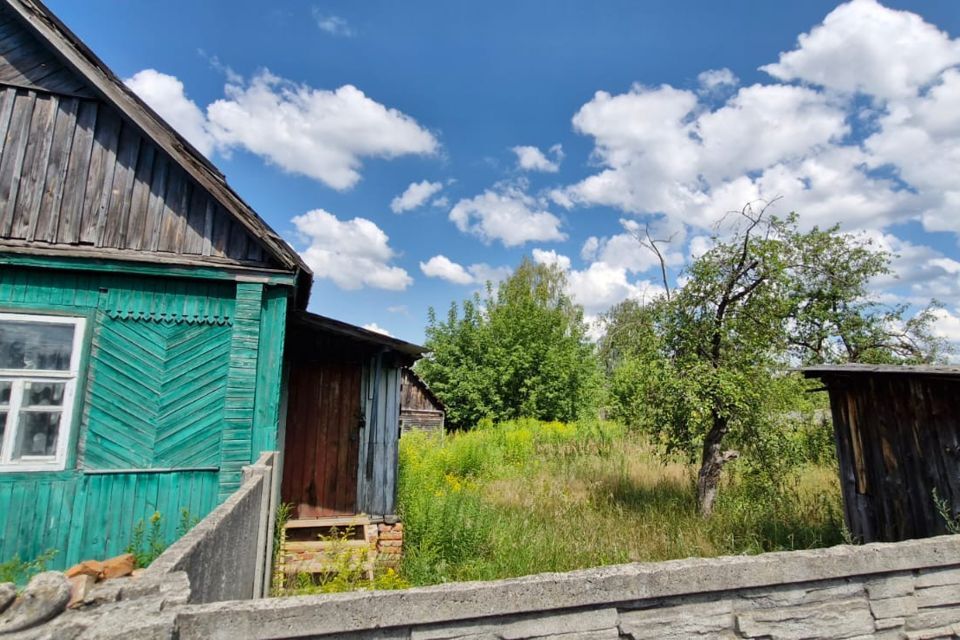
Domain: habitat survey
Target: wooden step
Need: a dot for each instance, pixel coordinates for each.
(325, 545)
(334, 521)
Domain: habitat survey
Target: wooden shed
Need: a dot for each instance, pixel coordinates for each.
(342, 431)
(897, 431)
(419, 408)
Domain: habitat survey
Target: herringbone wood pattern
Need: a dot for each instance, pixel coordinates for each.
(156, 395)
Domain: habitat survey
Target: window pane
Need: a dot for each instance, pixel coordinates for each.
(43, 394)
(5, 388)
(35, 345)
(37, 434)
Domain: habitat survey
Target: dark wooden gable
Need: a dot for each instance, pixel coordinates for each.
(78, 175)
(25, 62)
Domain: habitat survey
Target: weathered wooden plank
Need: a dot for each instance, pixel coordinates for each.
(75, 182)
(11, 165)
(35, 165)
(114, 224)
(195, 223)
(221, 232)
(48, 216)
(168, 239)
(103, 161)
(140, 198)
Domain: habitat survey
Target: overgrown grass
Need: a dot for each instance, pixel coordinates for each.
(526, 497)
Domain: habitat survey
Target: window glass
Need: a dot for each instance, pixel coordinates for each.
(43, 394)
(37, 434)
(6, 387)
(35, 345)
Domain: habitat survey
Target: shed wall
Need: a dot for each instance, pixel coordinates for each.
(898, 442)
(379, 440)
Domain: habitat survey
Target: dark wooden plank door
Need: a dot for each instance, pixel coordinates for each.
(322, 441)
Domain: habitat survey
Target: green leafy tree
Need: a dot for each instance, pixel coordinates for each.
(521, 352)
(707, 369)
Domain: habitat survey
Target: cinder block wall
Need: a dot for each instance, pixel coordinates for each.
(903, 590)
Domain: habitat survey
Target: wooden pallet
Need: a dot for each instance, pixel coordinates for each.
(309, 534)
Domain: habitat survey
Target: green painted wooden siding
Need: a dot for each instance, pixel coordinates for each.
(84, 516)
(156, 395)
(180, 387)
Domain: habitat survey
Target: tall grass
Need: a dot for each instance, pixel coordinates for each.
(526, 497)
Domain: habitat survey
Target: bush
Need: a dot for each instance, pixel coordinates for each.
(20, 571)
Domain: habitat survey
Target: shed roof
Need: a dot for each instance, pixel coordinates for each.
(338, 327)
(77, 56)
(821, 370)
(422, 384)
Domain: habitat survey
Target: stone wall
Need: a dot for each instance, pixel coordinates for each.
(903, 590)
(227, 555)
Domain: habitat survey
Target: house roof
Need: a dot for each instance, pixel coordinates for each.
(420, 382)
(77, 56)
(819, 371)
(337, 327)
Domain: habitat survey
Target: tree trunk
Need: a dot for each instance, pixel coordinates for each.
(711, 464)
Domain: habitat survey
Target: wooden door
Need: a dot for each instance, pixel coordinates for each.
(324, 419)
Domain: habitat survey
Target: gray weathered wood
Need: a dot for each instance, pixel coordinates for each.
(11, 165)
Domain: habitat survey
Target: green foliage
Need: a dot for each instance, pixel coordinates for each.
(706, 371)
(146, 544)
(520, 352)
(551, 496)
(20, 571)
(951, 520)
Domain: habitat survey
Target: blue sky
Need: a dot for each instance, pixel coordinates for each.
(553, 129)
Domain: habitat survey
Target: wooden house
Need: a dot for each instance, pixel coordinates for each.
(145, 316)
(419, 407)
(897, 431)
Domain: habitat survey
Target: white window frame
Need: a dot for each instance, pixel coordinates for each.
(58, 461)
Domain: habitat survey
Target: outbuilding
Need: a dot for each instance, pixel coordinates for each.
(897, 431)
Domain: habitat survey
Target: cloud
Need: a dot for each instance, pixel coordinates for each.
(318, 133)
(165, 95)
(508, 214)
(551, 258)
(947, 324)
(532, 159)
(864, 47)
(600, 285)
(352, 253)
(414, 196)
(373, 326)
(440, 266)
(331, 24)
(671, 153)
(314, 132)
(713, 80)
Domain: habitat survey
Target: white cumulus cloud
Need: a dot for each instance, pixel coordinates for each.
(532, 159)
(318, 133)
(440, 266)
(415, 196)
(166, 95)
(352, 253)
(508, 214)
(862, 46)
(314, 132)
